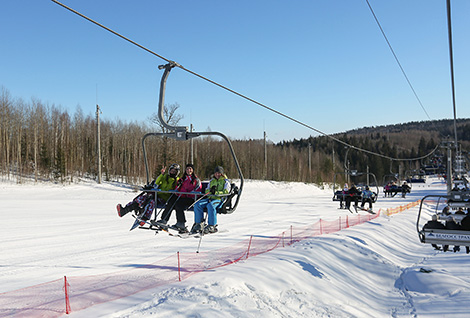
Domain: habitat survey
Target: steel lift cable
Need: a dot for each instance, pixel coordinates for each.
(396, 59)
(239, 94)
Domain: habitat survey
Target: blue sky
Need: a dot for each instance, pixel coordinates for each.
(324, 63)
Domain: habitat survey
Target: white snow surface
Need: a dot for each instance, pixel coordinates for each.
(374, 269)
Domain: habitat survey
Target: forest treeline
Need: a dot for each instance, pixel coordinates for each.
(46, 142)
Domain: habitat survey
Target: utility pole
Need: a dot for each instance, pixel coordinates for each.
(449, 145)
(309, 158)
(449, 168)
(192, 145)
(334, 168)
(98, 142)
(265, 157)
(368, 175)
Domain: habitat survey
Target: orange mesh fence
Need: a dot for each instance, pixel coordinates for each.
(401, 208)
(59, 297)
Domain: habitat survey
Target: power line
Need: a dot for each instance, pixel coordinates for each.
(396, 58)
(239, 94)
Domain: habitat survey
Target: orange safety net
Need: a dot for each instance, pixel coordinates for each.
(55, 298)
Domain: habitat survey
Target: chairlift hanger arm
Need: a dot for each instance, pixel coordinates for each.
(161, 99)
(184, 135)
(421, 206)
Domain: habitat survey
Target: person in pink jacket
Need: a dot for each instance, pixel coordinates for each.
(189, 182)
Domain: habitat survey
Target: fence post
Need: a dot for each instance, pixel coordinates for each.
(347, 221)
(179, 268)
(291, 239)
(321, 230)
(249, 246)
(339, 222)
(67, 300)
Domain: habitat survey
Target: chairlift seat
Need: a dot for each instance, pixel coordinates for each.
(456, 205)
(459, 196)
(445, 237)
(339, 196)
(393, 191)
(416, 180)
(451, 217)
(226, 206)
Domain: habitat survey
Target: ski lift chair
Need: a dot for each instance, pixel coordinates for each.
(434, 232)
(230, 201)
(338, 195)
(227, 206)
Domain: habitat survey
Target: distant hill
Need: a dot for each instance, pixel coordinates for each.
(443, 127)
(408, 140)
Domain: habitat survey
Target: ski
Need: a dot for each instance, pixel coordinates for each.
(160, 227)
(172, 231)
(198, 234)
(364, 209)
(138, 222)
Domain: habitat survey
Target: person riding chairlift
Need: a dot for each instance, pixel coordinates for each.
(144, 203)
(219, 184)
(189, 182)
(343, 195)
(367, 197)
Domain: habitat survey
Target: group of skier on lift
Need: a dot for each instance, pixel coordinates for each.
(350, 194)
(447, 220)
(391, 189)
(451, 226)
(179, 194)
(365, 195)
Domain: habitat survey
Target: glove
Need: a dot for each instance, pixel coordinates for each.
(149, 186)
(213, 189)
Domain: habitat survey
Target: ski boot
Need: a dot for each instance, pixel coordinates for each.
(180, 227)
(196, 228)
(126, 209)
(160, 224)
(209, 229)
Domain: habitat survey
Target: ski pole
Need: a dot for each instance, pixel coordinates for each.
(205, 195)
(202, 233)
(172, 206)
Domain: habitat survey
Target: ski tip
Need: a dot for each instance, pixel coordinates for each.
(136, 224)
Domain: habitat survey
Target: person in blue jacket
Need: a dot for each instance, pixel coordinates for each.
(219, 184)
(367, 197)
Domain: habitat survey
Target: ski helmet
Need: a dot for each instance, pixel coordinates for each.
(219, 169)
(176, 167)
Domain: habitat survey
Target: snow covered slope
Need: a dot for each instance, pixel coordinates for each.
(376, 269)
